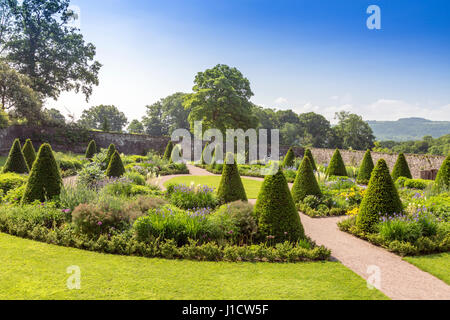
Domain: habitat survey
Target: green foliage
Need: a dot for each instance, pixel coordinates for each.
(45, 181)
(115, 167)
(401, 168)
(103, 117)
(109, 154)
(337, 166)
(29, 153)
(135, 127)
(366, 168)
(191, 197)
(353, 132)
(16, 161)
(305, 183)
(289, 159)
(380, 199)
(231, 188)
(91, 149)
(11, 180)
(308, 154)
(135, 178)
(276, 212)
(414, 183)
(168, 152)
(442, 181)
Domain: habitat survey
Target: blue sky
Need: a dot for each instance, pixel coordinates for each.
(311, 55)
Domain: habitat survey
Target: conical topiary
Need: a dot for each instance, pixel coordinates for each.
(168, 151)
(176, 154)
(401, 168)
(29, 153)
(337, 166)
(16, 161)
(109, 154)
(115, 168)
(231, 187)
(275, 209)
(91, 149)
(308, 154)
(202, 159)
(45, 180)
(289, 159)
(305, 183)
(365, 170)
(381, 198)
(442, 182)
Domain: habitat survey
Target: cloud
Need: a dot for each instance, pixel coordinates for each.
(280, 100)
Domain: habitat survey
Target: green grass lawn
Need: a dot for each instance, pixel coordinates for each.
(436, 264)
(33, 270)
(251, 186)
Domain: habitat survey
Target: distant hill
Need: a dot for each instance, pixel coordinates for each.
(409, 129)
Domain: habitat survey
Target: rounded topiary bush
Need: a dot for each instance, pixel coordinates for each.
(337, 166)
(442, 182)
(308, 154)
(289, 159)
(29, 153)
(401, 168)
(45, 180)
(381, 199)
(275, 210)
(168, 151)
(366, 168)
(305, 183)
(91, 149)
(231, 187)
(115, 168)
(16, 161)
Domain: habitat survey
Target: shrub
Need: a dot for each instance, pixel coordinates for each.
(16, 161)
(67, 161)
(191, 197)
(380, 199)
(91, 175)
(366, 168)
(401, 168)
(276, 212)
(168, 152)
(308, 154)
(337, 166)
(289, 159)
(46, 215)
(417, 183)
(143, 204)
(305, 183)
(136, 178)
(73, 195)
(109, 154)
(11, 180)
(400, 229)
(115, 168)
(91, 149)
(231, 187)
(45, 181)
(14, 196)
(442, 182)
(29, 153)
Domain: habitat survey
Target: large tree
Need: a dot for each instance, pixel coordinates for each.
(354, 132)
(96, 117)
(54, 116)
(221, 99)
(135, 126)
(40, 43)
(315, 130)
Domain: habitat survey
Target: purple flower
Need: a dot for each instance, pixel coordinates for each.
(99, 223)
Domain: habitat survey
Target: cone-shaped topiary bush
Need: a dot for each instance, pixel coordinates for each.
(16, 161)
(202, 160)
(231, 187)
(276, 212)
(308, 154)
(109, 154)
(401, 168)
(91, 149)
(305, 183)
(115, 168)
(365, 170)
(337, 166)
(381, 198)
(442, 182)
(168, 151)
(29, 153)
(289, 159)
(45, 180)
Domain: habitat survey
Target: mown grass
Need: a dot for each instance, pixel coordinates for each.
(33, 270)
(436, 264)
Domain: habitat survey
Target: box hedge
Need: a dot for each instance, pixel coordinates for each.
(289, 159)
(337, 166)
(16, 161)
(308, 154)
(401, 168)
(231, 188)
(366, 168)
(115, 168)
(29, 153)
(91, 149)
(305, 183)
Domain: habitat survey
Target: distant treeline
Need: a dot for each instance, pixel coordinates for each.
(428, 145)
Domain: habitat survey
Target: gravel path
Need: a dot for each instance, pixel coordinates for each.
(398, 279)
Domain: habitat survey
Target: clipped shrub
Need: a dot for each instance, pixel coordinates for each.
(337, 166)
(168, 151)
(366, 168)
(231, 188)
(29, 153)
(420, 184)
(16, 161)
(305, 183)
(442, 182)
(401, 168)
(115, 167)
(308, 154)
(135, 177)
(91, 149)
(109, 154)
(289, 159)
(380, 199)
(11, 180)
(275, 210)
(202, 160)
(45, 180)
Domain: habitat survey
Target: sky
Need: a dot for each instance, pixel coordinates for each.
(304, 55)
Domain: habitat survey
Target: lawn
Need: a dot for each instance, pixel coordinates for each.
(436, 264)
(33, 270)
(251, 186)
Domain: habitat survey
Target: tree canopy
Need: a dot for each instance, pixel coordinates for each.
(96, 117)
